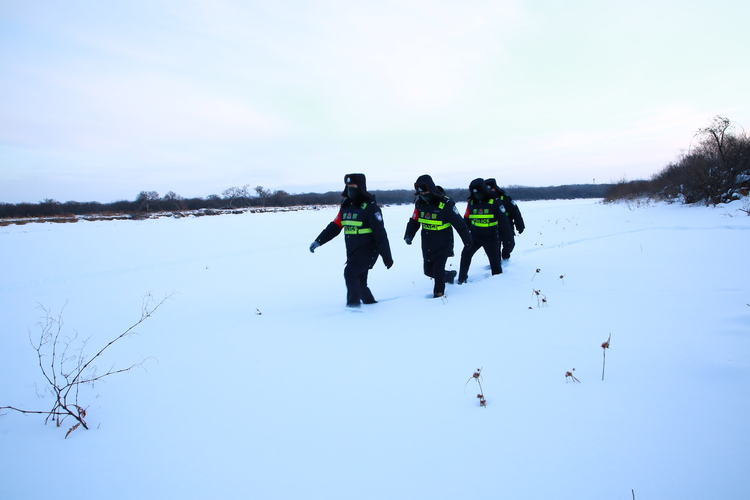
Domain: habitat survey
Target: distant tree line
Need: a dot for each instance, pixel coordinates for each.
(714, 170)
(243, 197)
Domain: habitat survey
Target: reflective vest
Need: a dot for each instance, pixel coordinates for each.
(482, 217)
(429, 220)
(351, 223)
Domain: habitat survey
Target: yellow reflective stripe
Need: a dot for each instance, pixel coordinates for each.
(353, 227)
(434, 225)
(482, 220)
(355, 230)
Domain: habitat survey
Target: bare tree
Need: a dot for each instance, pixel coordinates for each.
(175, 199)
(724, 155)
(66, 367)
(263, 195)
(279, 198)
(235, 193)
(714, 170)
(144, 198)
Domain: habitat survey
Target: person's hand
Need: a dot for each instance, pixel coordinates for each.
(313, 246)
(520, 231)
(407, 240)
(388, 263)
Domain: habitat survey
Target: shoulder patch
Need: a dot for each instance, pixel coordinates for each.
(379, 216)
(502, 209)
(455, 210)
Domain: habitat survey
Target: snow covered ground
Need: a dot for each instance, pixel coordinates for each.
(259, 384)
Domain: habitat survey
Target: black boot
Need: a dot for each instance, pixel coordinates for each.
(450, 276)
(367, 297)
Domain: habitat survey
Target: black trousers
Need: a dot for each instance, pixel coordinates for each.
(507, 247)
(491, 248)
(435, 269)
(355, 276)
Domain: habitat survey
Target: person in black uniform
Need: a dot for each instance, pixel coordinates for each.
(485, 216)
(364, 232)
(437, 215)
(514, 217)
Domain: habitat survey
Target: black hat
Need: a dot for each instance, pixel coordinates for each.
(360, 181)
(493, 185)
(425, 183)
(478, 189)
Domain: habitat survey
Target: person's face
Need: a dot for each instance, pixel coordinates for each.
(352, 190)
(424, 193)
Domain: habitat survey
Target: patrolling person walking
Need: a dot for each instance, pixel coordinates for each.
(485, 216)
(365, 237)
(514, 217)
(437, 215)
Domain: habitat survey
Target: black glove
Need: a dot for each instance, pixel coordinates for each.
(313, 246)
(520, 231)
(407, 240)
(388, 263)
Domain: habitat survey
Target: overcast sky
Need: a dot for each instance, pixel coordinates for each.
(100, 100)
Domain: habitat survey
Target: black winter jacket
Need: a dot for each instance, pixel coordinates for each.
(514, 213)
(437, 217)
(364, 231)
(487, 220)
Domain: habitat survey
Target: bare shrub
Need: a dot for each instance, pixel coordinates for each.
(716, 169)
(66, 366)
